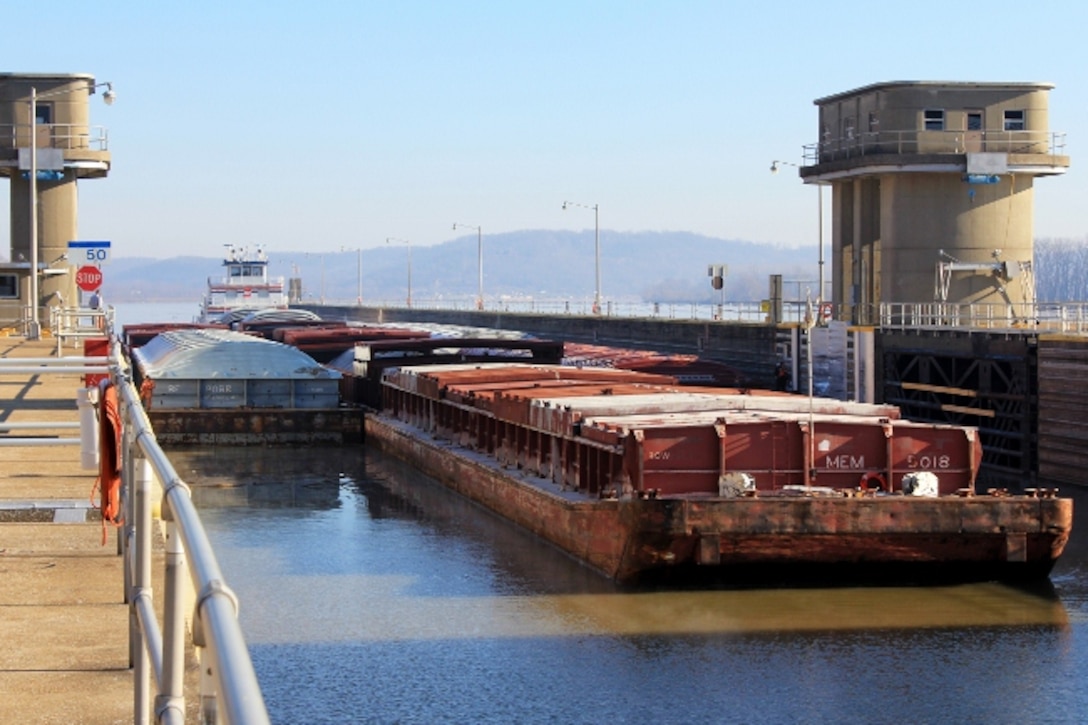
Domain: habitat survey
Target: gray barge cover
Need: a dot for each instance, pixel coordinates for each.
(211, 368)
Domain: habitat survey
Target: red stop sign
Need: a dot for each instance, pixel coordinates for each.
(89, 278)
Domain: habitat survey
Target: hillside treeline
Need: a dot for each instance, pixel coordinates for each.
(1061, 270)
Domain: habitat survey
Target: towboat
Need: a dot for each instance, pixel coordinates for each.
(246, 286)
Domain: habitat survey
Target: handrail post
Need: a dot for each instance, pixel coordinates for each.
(127, 533)
(173, 676)
(209, 705)
(142, 583)
(54, 325)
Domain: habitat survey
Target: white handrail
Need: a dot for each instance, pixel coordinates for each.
(160, 651)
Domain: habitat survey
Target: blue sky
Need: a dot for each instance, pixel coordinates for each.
(321, 125)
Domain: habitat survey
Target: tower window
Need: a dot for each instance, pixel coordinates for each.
(1014, 120)
(933, 119)
(874, 122)
(9, 287)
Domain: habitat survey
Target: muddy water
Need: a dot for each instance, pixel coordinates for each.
(370, 594)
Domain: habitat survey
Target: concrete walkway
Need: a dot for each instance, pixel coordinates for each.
(63, 621)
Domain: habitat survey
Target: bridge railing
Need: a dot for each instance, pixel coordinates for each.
(229, 689)
(1041, 317)
(745, 311)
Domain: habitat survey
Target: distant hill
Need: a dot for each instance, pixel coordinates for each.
(544, 264)
(667, 267)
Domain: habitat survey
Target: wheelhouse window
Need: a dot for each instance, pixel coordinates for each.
(1014, 120)
(9, 287)
(933, 119)
(848, 127)
(974, 120)
(874, 122)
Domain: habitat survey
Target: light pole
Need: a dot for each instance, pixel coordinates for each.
(321, 260)
(409, 245)
(810, 322)
(596, 247)
(358, 274)
(34, 331)
(479, 262)
(820, 223)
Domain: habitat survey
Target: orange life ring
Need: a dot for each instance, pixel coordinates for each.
(869, 478)
(827, 311)
(108, 483)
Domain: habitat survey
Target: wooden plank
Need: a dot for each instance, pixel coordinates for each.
(943, 390)
(980, 412)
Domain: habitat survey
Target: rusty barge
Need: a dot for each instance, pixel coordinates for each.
(640, 478)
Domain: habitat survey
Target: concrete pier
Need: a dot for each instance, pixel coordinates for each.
(63, 619)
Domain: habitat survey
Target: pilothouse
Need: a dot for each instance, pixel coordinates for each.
(246, 285)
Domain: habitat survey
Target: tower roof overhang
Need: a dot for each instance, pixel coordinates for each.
(937, 85)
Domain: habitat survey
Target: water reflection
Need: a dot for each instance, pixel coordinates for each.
(371, 594)
(261, 478)
(422, 563)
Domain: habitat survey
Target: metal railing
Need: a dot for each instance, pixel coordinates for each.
(40, 365)
(255, 279)
(748, 311)
(20, 323)
(66, 136)
(229, 690)
(71, 324)
(1038, 317)
(918, 141)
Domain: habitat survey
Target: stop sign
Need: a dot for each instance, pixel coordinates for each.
(89, 278)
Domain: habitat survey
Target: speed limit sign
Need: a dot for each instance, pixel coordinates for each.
(96, 253)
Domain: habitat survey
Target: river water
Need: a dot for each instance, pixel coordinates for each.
(372, 594)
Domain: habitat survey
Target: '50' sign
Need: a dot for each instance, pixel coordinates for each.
(96, 253)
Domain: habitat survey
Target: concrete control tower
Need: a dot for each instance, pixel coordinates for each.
(932, 192)
(45, 123)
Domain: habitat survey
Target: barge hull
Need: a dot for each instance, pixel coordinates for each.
(946, 538)
(257, 427)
